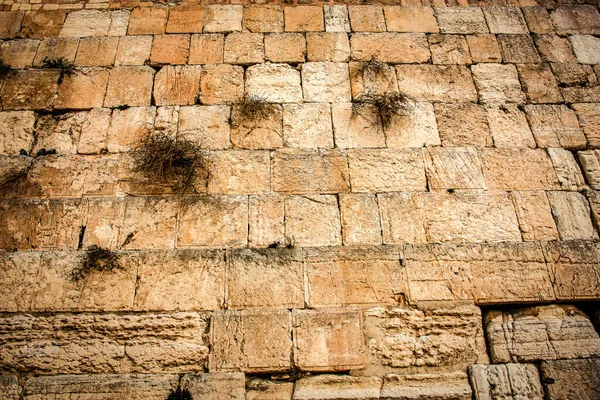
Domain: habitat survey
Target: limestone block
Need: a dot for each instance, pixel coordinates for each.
(221, 84)
(589, 120)
(453, 168)
(18, 285)
(223, 18)
(215, 385)
(263, 18)
(96, 51)
(325, 386)
(591, 167)
(288, 47)
(462, 124)
(29, 90)
(312, 221)
(538, 20)
(414, 126)
(408, 229)
(571, 379)
(277, 83)
(36, 24)
(431, 337)
(567, 170)
(336, 18)
(464, 20)
(555, 126)
(540, 333)
(16, 132)
(53, 48)
(9, 384)
(128, 127)
(239, 172)
(578, 83)
(400, 48)
(206, 125)
(572, 214)
(130, 86)
(484, 48)
(328, 339)
(353, 276)
(518, 49)
(386, 170)
(489, 273)
(367, 18)
(453, 385)
(252, 341)
(593, 196)
(85, 23)
(535, 217)
(330, 46)
(185, 19)
(410, 19)
(505, 20)
(360, 219)
(263, 389)
(19, 53)
(149, 223)
(206, 49)
(180, 280)
(59, 132)
(177, 85)
(326, 82)
(257, 133)
(586, 48)
(266, 219)
(554, 49)
(133, 50)
(166, 120)
(103, 222)
(304, 19)
(506, 381)
(119, 21)
(518, 169)
(12, 169)
(497, 83)
(436, 83)
(509, 127)
(307, 125)
(579, 19)
(84, 89)
(170, 49)
(352, 129)
(148, 21)
(213, 222)
(244, 48)
(539, 85)
(118, 387)
(449, 49)
(11, 24)
(265, 278)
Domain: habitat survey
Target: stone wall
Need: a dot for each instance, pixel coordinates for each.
(415, 216)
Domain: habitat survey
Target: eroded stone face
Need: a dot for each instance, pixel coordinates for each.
(498, 380)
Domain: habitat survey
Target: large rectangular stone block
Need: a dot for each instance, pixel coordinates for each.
(506, 381)
(571, 379)
(400, 48)
(437, 83)
(312, 220)
(453, 168)
(325, 386)
(451, 385)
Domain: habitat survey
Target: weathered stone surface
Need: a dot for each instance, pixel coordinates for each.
(555, 126)
(310, 171)
(213, 221)
(149, 223)
(509, 127)
(538, 20)
(326, 82)
(265, 278)
(19, 53)
(593, 197)
(16, 132)
(554, 49)
(185, 19)
(408, 229)
(462, 124)
(133, 50)
(518, 49)
(485, 273)
(337, 387)
(400, 48)
(591, 167)
(312, 221)
(570, 20)
(182, 280)
(336, 18)
(177, 85)
(288, 47)
(37, 24)
(148, 21)
(505, 20)
(221, 84)
(535, 217)
(360, 219)
(405, 337)
(59, 132)
(353, 276)
(11, 24)
(128, 127)
(85, 23)
(84, 89)
(118, 387)
(223, 18)
(53, 48)
(170, 49)
(239, 172)
(304, 19)
(263, 18)
(206, 49)
(96, 51)
(372, 78)
(352, 129)
(9, 384)
(412, 126)
(578, 83)
(449, 49)
(130, 86)
(518, 169)
(571, 379)
(497, 83)
(12, 170)
(453, 168)
(436, 83)
(215, 385)
(586, 48)
(104, 343)
(443, 386)
(540, 333)
(307, 125)
(366, 18)
(244, 48)
(538, 83)
(257, 133)
(572, 213)
(266, 216)
(461, 20)
(567, 170)
(589, 120)
(329, 46)
(484, 48)
(251, 341)
(328, 339)
(410, 19)
(258, 388)
(506, 380)
(29, 90)
(386, 170)
(206, 125)
(277, 83)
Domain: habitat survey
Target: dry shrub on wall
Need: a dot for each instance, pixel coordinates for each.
(180, 394)
(371, 69)
(96, 259)
(65, 67)
(252, 108)
(388, 105)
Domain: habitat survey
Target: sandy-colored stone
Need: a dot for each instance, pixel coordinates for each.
(9, 385)
(576, 19)
(337, 387)
(244, 48)
(133, 50)
(360, 219)
(586, 48)
(506, 380)
(589, 120)
(13, 170)
(414, 126)
(94, 131)
(436, 83)
(287, 47)
(257, 133)
(539, 85)
(29, 89)
(207, 126)
(266, 221)
(85, 23)
(19, 53)
(518, 49)
(206, 49)
(326, 82)
(462, 124)
(571, 379)
(213, 222)
(497, 83)
(263, 18)
(336, 18)
(170, 49)
(82, 90)
(185, 19)
(19, 271)
(538, 20)
(535, 217)
(366, 18)
(16, 132)
(307, 125)
(330, 46)
(130, 86)
(128, 127)
(591, 167)
(304, 19)
(221, 84)
(96, 51)
(177, 85)
(312, 221)
(278, 83)
(56, 48)
(215, 385)
(461, 20)
(148, 21)
(518, 169)
(43, 24)
(356, 129)
(11, 24)
(509, 127)
(375, 78)
(572, 213)
(443, 386)
(253, 341)
(554, 49)
(149, 223)
(484, 48)
(400, 48)
(223, 18)
(449, 49)
(567, 170)
(239, 172)
(505, 20)
(593, 197)
(555, 126)
(408, 229)
(410, 19)
(453, 168)
(386, 170)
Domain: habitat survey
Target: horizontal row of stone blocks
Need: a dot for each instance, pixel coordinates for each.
(188, 280)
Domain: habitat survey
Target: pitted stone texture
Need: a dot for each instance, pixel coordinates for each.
(555, 126)
(16, 132)
(366, 18)
(148, 21)
(208, 126)
(538, 20)
(436, 83)
(265, 278)
(567, 170)
(304, 19)
(170, 49)
(360, 219)
(244, 48)
(289, 47)
(505, 20)
(591, 167)
(555, 49)
(277, 83)
(497, 83)
(13, 170)
(535, 216)
(570, 20)
(399, 48)
(443, 386)
(133, 50)
(223, 18)
(11, 24)
(538, 83)
(586, 48)
(352, 129)
(251, 341)
(408, 229)
(353, 276)
(506, 381)
(206, 49)
(221, 84)
(128, 127)
(266, 216)
(263, 18)
(330, 46)
(485, 273)
(462, 124)
(96, 52)
(413, 126)
(461, 20)
(326, 82)
(85, 23)
(40, 24)
(410, 19)
(312, 220)
(185, 19)
(258, 388)
(571, 379)
(337, 387)
(307, 125)
(84, 89)
(239, 172)
(453, 168)
(518, 49)
(53, 48)
(372, 78)
(484, 48)
(131, 86)
(449, 49)
(117, 387)
(572, 213)
(105, 343)
(29, 90)
(215, 385)
(336, 18)
(9, 385)
(449, 336)
(19, 53)
(328, 339)
(509, 127)
(149, 223)
(589, 120)
(177, 85)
